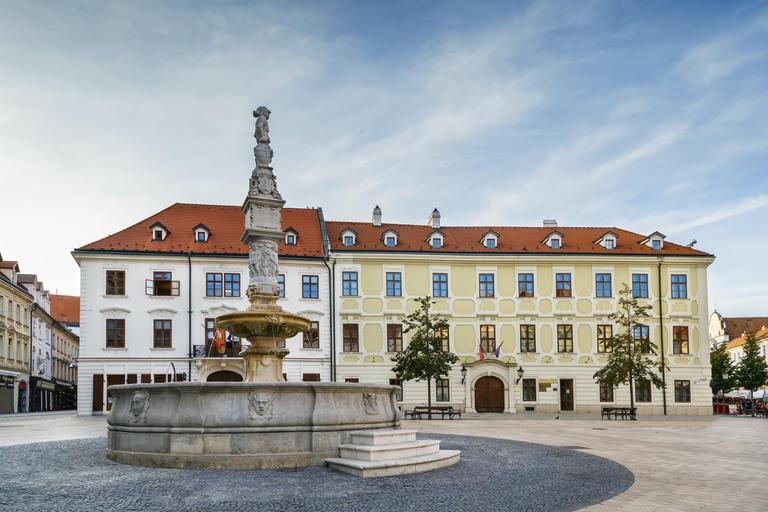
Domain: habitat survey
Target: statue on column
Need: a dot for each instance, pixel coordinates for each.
(263, 181)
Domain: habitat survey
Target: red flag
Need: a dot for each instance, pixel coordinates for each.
(482, 353)
(220, 340)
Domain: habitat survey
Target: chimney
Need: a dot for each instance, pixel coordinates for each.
(550, 223)
(434, 219)
(377, 216)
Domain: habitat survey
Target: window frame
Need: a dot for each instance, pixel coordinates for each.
(564, 337)
(605, 392)
(678, 343)
(439, 285)
(349, 283)
(682, 391)
(162, 330)
(393, 381)
(640, 285)
(528, 390)
(566, 290)
(152, 288)
(488, 337)
(644, 339)
(118, 283)
(350, 338)
(600, 284)
(310, 286)
(395, 279)
(645, 389)
(311, 337)
(214, 284)
(117, 340)
(486, 285)
(442, 390)
(525, 286)
(445, 338)
(528, 342)
(607, 334)
(679, 286)
(281, 286)
(394, 338)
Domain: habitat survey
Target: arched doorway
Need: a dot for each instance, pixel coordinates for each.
(489, 394)
(225, 376)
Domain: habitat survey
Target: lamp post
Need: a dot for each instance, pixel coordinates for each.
(722, 389)
(463, 373)
(520, 373)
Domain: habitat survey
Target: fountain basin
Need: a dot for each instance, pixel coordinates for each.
(242, 425)
(263, 323)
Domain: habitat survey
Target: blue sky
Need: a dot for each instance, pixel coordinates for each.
(642, 115)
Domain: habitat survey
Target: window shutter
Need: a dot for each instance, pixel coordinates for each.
(149, 286)
(175, 288)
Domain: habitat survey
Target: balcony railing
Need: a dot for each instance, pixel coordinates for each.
(212, 350)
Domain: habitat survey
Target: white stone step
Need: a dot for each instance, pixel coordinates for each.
(437, 460)
(383, 436)
(388, 451)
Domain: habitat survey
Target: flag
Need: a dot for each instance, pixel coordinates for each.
(229, 338)
(482, 354)
(217, 337)
(220, 340)
(498, 350)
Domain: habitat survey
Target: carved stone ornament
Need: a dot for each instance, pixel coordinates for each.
(369, 402)
(260, 406)
(139, 407)
(262, 261)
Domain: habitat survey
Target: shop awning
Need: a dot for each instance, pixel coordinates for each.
(8, 373)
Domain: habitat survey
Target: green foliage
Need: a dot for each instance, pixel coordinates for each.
(721, 363)
(752, 371)
(424, 358)
(627, 361)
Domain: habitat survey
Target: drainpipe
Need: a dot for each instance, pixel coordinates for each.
(661, 333)
(189, 313)
(331, 273)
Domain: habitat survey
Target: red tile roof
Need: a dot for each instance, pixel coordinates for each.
(65, 308)
(226, 224)
(522, 240)
(739, 326)
(759, 336)
(9, 264)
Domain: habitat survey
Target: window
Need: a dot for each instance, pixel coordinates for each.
(440, 285)
(309, 287)
(563, 285)
(437, 242)
(352, 379)
(351, 339)
(529, 390)
(641, 335)
(565, 338)
(281, 285)
(555, 243)
(603, 285)
(680, 340)
(679, 286)
(490, 243)
(349, 283)
(115, 333)
(640, 286)
(393, 284)
(312, 336)
(525, 285)
(609, 245)
(643, 392)
(310, 377)
(115, 282)
(349, 241)
(441, 390)
(527, 338)
(158, 234)
(281, 344)
(488, 337)
(231, 285)
(162, 333)
(606, 393)
(290, 239)
(210, 332)
(604, 333)
(486, 285)
(201, 236)
(397, 382)
(214, 288)
(161, 284)
(682, 391)
(442, 333)
(213, 285)
(390, 241)
(394, 338)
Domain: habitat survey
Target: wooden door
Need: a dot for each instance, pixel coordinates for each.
(566, 394)
(489, 395)
(113, 380)
(98, 393)
(225, 376)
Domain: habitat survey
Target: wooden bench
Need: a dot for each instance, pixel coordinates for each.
(421, 411)
(619, 412)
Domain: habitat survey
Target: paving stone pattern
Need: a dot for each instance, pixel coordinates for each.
(493, 475)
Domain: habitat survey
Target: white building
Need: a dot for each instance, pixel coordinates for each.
(150, 295)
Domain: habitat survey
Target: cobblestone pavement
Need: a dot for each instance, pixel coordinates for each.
(680, 464)
(493, 475)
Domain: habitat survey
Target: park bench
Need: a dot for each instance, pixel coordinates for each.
(422, 411)
(619, 412)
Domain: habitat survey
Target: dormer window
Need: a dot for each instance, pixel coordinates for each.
(437, 243)
(608, 240)
(348, 238)
(554, 240)
(435, 239)
(609, 244)
(291, 236)
(490, 240)
(201, 233)
(159, 232)
(390, 238)
(655, 241)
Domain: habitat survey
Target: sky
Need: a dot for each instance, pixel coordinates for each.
(648, 116)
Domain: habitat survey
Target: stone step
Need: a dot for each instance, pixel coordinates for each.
(365, 469)
(388, 451)
(383, 436)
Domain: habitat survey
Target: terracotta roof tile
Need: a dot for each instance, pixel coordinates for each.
(739, 326)
(8, 264)
(464, 239)
(759, 335)
(226, 225)
(65, 308)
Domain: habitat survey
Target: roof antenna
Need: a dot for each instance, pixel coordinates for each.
(693, 242)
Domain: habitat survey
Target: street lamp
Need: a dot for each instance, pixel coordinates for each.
(463, 373)
(520, 373)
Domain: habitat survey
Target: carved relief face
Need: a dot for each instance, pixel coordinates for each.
(369, 402)
(139, 406)
(260, 406)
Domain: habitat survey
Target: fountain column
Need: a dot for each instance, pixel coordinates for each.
(264, 323)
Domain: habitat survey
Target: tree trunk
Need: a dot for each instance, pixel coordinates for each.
(429, 399)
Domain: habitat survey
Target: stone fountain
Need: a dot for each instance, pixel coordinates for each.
(262, 422)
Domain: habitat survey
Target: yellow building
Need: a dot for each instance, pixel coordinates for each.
(542, 296)
(15, 303)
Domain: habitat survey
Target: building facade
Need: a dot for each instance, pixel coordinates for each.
(15, 331)
(724, 329)
(538, 300)
(151, 293)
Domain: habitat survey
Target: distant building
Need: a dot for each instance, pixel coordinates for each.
(15, 332)
(735, 347)
(42, 388)
(66, 310)
(722, 330)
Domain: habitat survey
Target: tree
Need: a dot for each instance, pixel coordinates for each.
(721, 365)
(627, 362)
(752, 370)
(424, 358)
